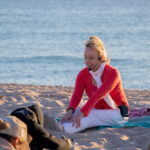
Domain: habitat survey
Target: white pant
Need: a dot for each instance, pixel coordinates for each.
(97, 117)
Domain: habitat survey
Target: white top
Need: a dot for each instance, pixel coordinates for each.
(97, 76)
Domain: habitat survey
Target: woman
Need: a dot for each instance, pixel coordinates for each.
(107, 104)
(32, 116)
(13, 134)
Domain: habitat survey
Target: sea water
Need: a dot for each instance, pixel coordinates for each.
(42, 41)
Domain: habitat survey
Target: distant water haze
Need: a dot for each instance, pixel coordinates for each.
(42, 42)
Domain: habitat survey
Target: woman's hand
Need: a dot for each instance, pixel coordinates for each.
(77, 119)
(67, 116)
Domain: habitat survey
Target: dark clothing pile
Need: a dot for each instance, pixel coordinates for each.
(33, 118)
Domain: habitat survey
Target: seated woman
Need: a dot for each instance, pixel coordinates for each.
(107, 104)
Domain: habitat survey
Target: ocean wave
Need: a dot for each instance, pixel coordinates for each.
(40, 59)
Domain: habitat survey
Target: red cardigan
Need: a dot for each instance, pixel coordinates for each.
(111, 84)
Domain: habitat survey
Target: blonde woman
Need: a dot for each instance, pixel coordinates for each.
(107, 104)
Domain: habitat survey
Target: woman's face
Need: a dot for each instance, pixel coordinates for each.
(91, 58)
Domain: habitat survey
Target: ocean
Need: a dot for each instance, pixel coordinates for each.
(42, 41)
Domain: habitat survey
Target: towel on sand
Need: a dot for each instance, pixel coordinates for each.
(137, 118)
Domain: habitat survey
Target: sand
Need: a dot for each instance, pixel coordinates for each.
(54, 100)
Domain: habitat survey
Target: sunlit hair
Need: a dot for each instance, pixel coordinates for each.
(95, 43)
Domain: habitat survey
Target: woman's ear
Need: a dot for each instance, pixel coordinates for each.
(16, 142)
(19, 144)
(101, 58)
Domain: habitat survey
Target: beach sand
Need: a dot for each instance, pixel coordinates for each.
(54, 100)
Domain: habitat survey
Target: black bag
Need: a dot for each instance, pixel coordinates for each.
(124, 110)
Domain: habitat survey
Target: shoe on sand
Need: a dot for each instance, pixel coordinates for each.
(54, 124)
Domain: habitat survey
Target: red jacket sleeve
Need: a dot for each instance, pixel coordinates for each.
(78, 91)
(111, 79)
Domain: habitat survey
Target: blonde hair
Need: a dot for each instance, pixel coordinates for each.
(95, 43)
